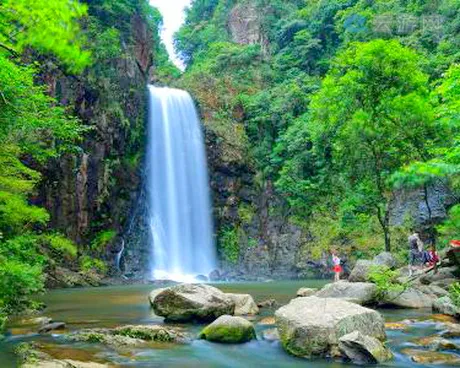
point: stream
(119, 305)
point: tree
(33, 128)
(371, 117)
(49, 26)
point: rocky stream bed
(116, 327)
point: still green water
(114, 306)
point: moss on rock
(229, 330)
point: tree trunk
(385, 224)
(386, 231)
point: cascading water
(178, 186)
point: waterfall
(178, 188)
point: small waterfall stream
(178, 186)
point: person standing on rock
(337, 268)
(415, 252)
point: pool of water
(119, 305)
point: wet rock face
(417, 206)
(101, 185)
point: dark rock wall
(98, 188)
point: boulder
(445, 305)
(267, 321)
(396, 326)
(269, 303)
(244, 304)
(363, 349)
(437, 343)
(66, 363)
(30, 357)
(450, 330)
(153, 295)
(363, 293)
(157, 333)
(302, 292)
(34, 321)
(385, 259)
(360, 272)
(443, 273)
(192, 302)
(270, 334)
(453, 254)
(229, 330)
(409, 298)
(432, 290)
(312, 326)
(431, 357)
(130, 335)
(444, 283)
(51, 327)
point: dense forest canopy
(339, 103)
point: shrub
(102, 239)
(229, 244)
(18, 281)
(61, 245)
(88, 264)
(454, 293)
(385, 280)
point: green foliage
(88, 264)
(246, 213)
(33, 129)
(61, 245)
(454, 293)
(450, 228)
(370, 118)
(385, 280)
(102, 239)
(49, 26)
(334, 111)
(18, 281)
(229, 247)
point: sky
(173, 17)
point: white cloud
(173, 17)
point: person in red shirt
(433, 257)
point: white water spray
(180, 209)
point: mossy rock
(150, 333)
(130, 335)
(229, 330)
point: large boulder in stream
(229, 330)
(360, 272)
(303, 292)
(363, 349)
(312, 326)
(244, 304)
(409, 298)
(192, 302)
(445, 305)
(363, 293)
